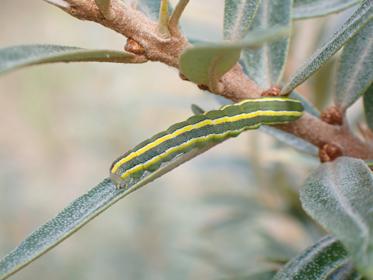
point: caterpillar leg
(118, 181)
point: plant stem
(163, 19)
(176, 15)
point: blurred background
(225, 214)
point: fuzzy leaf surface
(339, 195)
(76, 215)
(198, 62)
(325, 260)
(12, 58)
(355, 69)
(317, 8)
(238, 16)
(265, 65)
(351, 27)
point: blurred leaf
(263, 275)
(368, 106)
(339, 195)
(76, 215)
(20, 56)
(355, 71)
(152, 8)
(357, 21)
(276, 251)
(318, 262)
(345, 272)
(197, 63)
(291, 140)
(238, 16)
(265, 65)
(316, 8)
(308, 106)
(322, 83)
(232, 220)
(104, 6)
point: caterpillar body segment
(199, 131)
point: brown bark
(234, 85)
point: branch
(234, 85)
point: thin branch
(234, 85)
(176, 15)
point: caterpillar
(199, 131)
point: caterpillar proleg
(199, 131)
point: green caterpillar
(199, 131)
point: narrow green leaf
(291, 140)
(265, 65)
(355, 71)
(20, 56)
(318, 262)
(339, 195)
(345, 272)
(368, 106)
(238, 16)
(198, 62)
(76, 215)
(308, 106)
(104, 6)
(316, 8)
(357, 21)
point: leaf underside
(355, 71)
(12, 58)
(303, 9)
(339, 195)
(238, 16)
(357, 21)
(265, 65)
(325, 260)
(197, 62)
(76, 215)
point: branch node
(272, 91)
(329, 152)
(135, 47)
(332, 115)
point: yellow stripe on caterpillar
(201, 124)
